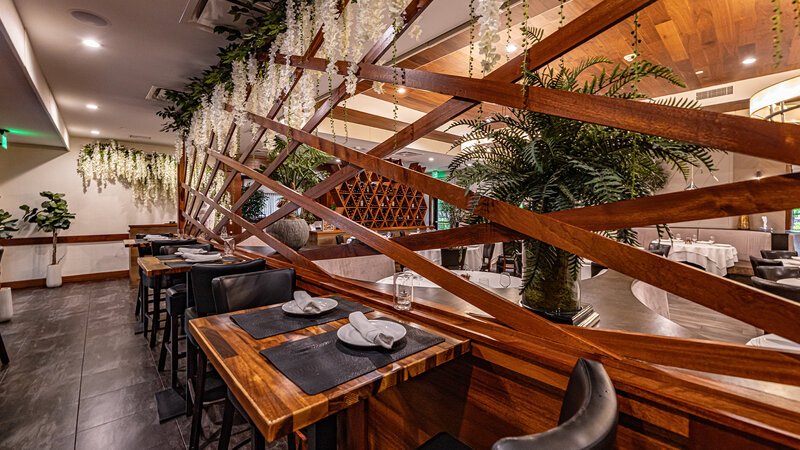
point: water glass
(677, 237)
(694, 238)
(505, 279)
(711, 239)
(229, 245)
(403, 290)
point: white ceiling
(144, 45)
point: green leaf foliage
(51, 216)
(7, 224)
(300, 169)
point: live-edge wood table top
(153, 266)
(275, 404)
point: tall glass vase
(552, 289)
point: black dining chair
(596, 269)
(339, 239)
(588, 418)
(775, 273)
(659, 249)
(200, 302)
(175, 305)
(3, 353)
(784, 290)
(146, 250)
(757, 262)
(777, 254)
(486, 259)
(453, 258)
(245, 291)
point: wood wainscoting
(39, 282)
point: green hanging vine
(524, 29)
(395, 101)
(636, 53)
(508, 29)
(777, 29)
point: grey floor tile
(118, 404)
(138, 431)
(110, 380)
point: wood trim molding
(40, 282)
(76, 239)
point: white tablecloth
(774, 341)
(486, 279)
(472, 259)
(790, 281)
(715, 258)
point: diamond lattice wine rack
(378, 202)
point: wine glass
(694, 238)
(678, 237)
(711, 239)
(505, 279)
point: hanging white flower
(239, 94)
(488, 12)
(377, 86)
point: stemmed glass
(505, 279)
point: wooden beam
(506, 312)
(201, 228)
(386, 123)
(766, 311)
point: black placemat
(178, 264)
(184, 263)
(167, 257)
(321, 362)
(264, 323)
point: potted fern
(7, 225)
(53, 216)
(545, 163)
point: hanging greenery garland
(153, 177)
(777, 29)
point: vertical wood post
(235, 190)
(181, 192)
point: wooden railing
(631, 357)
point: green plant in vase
(7, 226)
(545, 163)
(52, 217)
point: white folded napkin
(202, 257)
(305, 303)
(369, 331)
(188, 250)
(155, 237)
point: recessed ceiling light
(699, 72)
(430, 159)
(629, 57)
(337, 160)
(511, 48)
(91, 43)
(91, 106)
(401, 90)
(750, 60)
(95, 132)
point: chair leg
(197, 414)
(3, 353)
(138, 300)
(162, 354)
(173, 343)
(156, 321)
(145, 311)
(259, 443)
(191, 370)
(227, 425)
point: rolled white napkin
(305, 303)
(155, 237)
(369, 331)
(209, 257)
(188, 250)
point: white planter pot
(53, 275)
(6, 307)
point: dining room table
(269, 388)
(473, 256)
(486, 279)
(714, 257)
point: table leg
(156, 319)
(322, 434)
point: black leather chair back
(1, 252)
(171, 249)
(756, 262)
(596, 268)
(202, 274)
(775, 273)
(486, 259)
(339, 239)
(783, 290)
(251, 290)
(156, 245)
(777, 254)
(588, 417)
(148, 250)
(659, 249)
(453, 258)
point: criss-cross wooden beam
(215, 168)
(583, 28)
(758, 308)
(384, 43)
(201, 173)
(202, 228)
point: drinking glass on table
(694, 238)
(505, 279)
(403, 295)
(229, 245)
(711, 239)
(678, 237)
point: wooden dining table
(277, 406)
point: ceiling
(147, 46)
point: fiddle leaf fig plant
(53, 216)
(7, 224)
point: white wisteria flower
(488, 13)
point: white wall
(27, 170)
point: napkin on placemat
(306, 303)
(194, 257)
(155, 237)
(369, 331)
(187, 250)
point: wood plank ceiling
(712, 36)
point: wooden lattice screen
(571, 230)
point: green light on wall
(4, 141)
(22, 132)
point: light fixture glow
(750, 60)
(699, 72)
(95, 132)
(91, 43)
(430, 159)
(511, 48)
(91, 106)
(629, 57)
(401, 90)
(337, 161)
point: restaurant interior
(399, 224)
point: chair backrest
(775, 273)
(171, 249)
(339, 239)
(486, 259)
(596, 268)
(588, 419)
(777, 254)
(784, 290)
(1, 252)
(156, 245)
(202, 274)
(756, 262)
(453, 258)
(251, 290)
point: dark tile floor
(80, 378)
